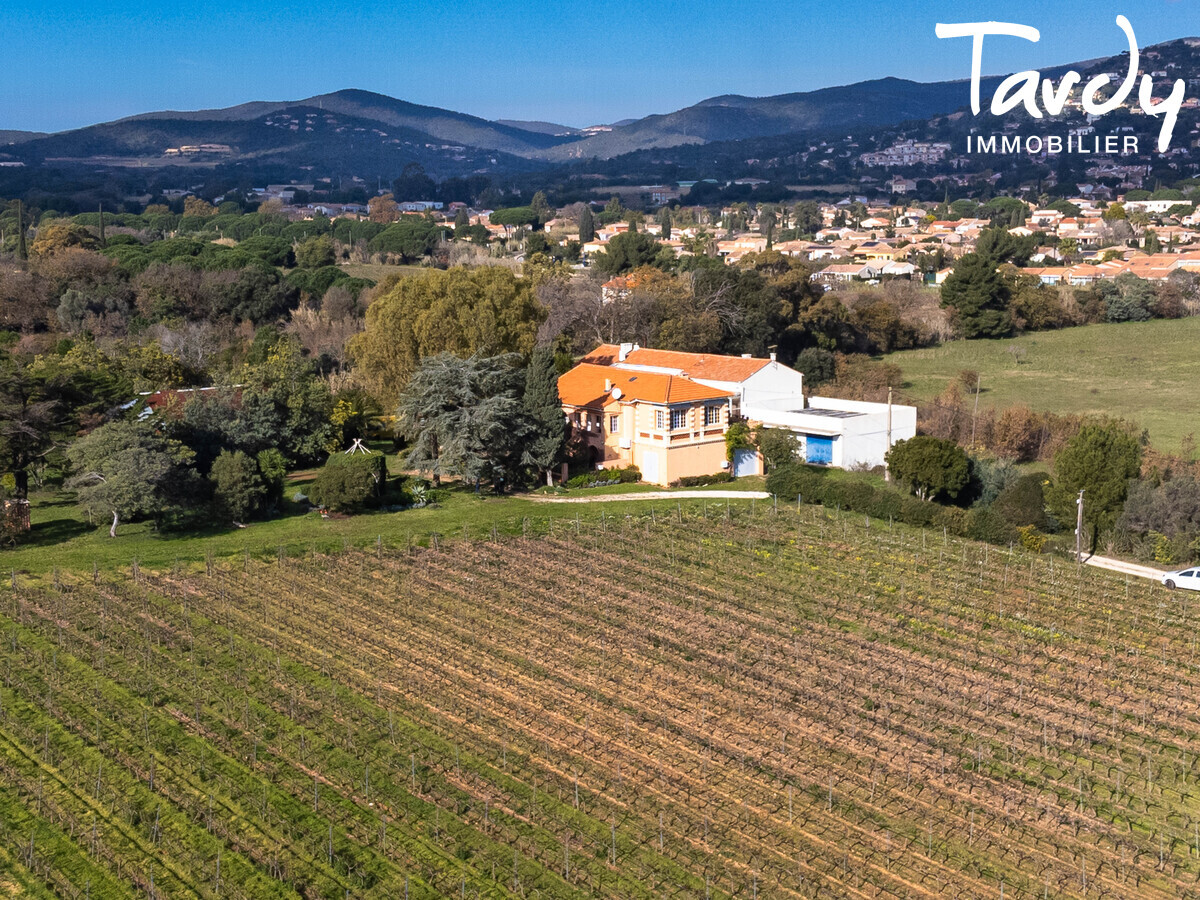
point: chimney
(772, 356)
(607, 385)
(746, 356)
(624, 351)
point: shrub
(349, 481)
(931, 466)
(778, 446)
(1022, 503)
(701, 480)
(1031, 539)
(987, 525)
(796, 480)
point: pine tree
(543, 406)
(979, 296)
(587, 225)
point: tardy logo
(1022, 87)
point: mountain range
(369, 134)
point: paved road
(657, 495)
(1125, 568)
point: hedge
(701, 480)
(605, 477)
(814, 486)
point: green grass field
(63, 538)
(1147, 372)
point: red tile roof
(694, 365)
(589, 385)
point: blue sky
(71, 64)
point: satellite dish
(616, 393)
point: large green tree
(931, 467)
(284, 405)
(465, 418)
(515, 217)
(128, 469)
(629, 250)
(979, 296)
(30, 420)
(485, 310)
(1100, 460)
(410, 239)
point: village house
(619, 288)
(879, 251)
(734, 250)
(843, 272)
(668, 426)
(666, 412)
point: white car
(1185, 578)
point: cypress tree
(587, 225)
(543, 406)
(102, 241)
(541, 206)
(666, 224)
(22, 249)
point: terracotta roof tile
(694, 365)
(585, 385)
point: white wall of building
(859, 439)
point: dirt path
(1126, 568)
(658, 495)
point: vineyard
(753, 703)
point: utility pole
(1079, 528)
(887, 470)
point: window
(678, 419)
(712, 415)
(614, 424)
(660, 419)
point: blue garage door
(819, 450)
